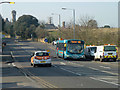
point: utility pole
(73, 20)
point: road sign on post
(46, 40)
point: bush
(51, 39)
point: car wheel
(114, 60)
(49, 65)
(34, 65)
(92, 58)
(101, 59)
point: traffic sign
(46, 40)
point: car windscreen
(109, 48)
(42, 54)
(93, 49)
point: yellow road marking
(43, 82)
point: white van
(106, 52)
(90, 52)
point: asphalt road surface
(63, 73)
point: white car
(54, 42)
(40, 58)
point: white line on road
(104, 81)
(13, 64)
(105, 67)
(93, 68)
(110, 73)
(76, 64)
(71, 71)
(104, 71)
(62, 63)
(8, 63)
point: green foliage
(50, 39)
(3, 23)
(41, 32)
(8, 28)
(25, 26)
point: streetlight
(73, 19)
(59, 21)
(8, 2)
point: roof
(50, 26)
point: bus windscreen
(75, 48)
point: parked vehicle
(40, 58)
(3, 44)
(54, 42)
(90, 52)
(105, 52)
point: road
(63, 73)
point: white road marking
(110, 73)
(104, 81)
(110, 78)
(93, 68)
(62, 63)
(104, 71)
(13, 64)
(8, 63)
(105, 67)
(28, 47)
(75, 64)
(71, 71)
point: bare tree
(41, 32)
(92, 23)
(84, 21)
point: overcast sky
(105, 12)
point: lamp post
(8, 2)
(59, 22)
(73, 20)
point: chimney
(63, 24)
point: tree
(25, 26)
(41, 32)
(92, 23)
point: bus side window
(64, 49)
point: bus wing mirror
(64, 45)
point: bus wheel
(86, 57)
(64, 57)
(58, 55)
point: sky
(104, 12)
